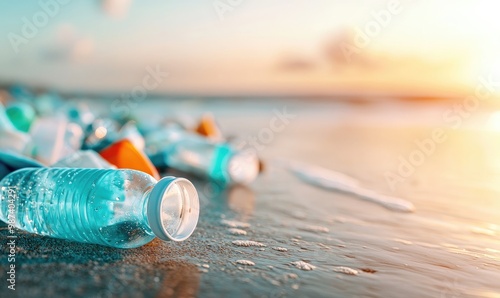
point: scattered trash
(203, 151)
(66, 161)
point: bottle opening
(173, 209)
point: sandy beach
(284, 237)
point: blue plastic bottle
(179, 149)
(118, 208)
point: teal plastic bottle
(21, 115)
(118, 208)
(174, 147)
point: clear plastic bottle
(87, 159)
(63, 140)
(179, 149)
(118, 208)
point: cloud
(296, 63)
(68, 45)
(342, 51)
(116, 8)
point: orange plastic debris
(124, 155)
(262, 165)
(208, 127)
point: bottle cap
(173, 209)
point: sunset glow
(419, 49)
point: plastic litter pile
(65, 134)
(47, 132)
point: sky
(251, 47)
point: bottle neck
(171, 208)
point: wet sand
(301, 240)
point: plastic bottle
(55, 138)
(84, 159)
(179, 149)
(129, 131)
(118, 208)
(11, 139)
(21, 115)
(100, 134)
(79, 113)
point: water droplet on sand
(315, 229)
(235, 224)
(238, 232)
(245, 262)
(303, 265)
(248, 243)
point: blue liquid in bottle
(179, 149)
(118, 208)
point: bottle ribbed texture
(87, 205)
